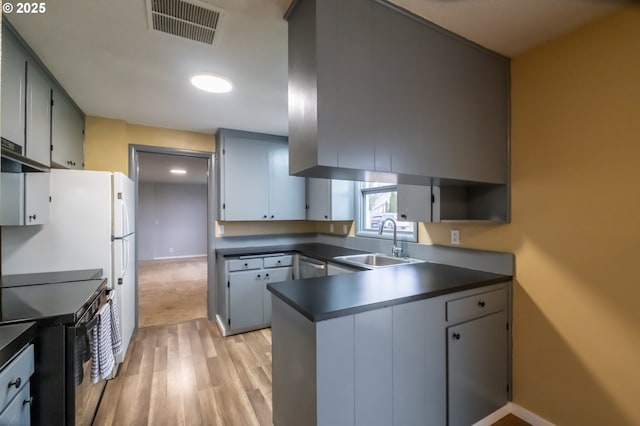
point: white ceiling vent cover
(185, 19)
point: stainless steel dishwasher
(311, 268)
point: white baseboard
(179, 257)
(516, 410)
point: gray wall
(172, 220)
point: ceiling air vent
(185, 19)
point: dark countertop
(324, 252)
(335, 296)
(58, 303)
(49, 277)
(13, 338)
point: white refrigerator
(91, 225)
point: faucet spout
(395, 249)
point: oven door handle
(83, 329)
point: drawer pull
(16, 383)
(27, 401)
(481, 303)
(456, 336)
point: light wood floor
(171, 291)
(187, 374)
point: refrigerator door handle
(125, 219)
(125, 259)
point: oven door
(83, 396)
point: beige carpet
(172, 291)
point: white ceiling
(113, 65)
(154, 168)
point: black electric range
(59, 308)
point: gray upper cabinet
(41, 125)
(38, 132)
(330, 199)
(14, 86)
(254, 180)
(25, 199)
(376, 93)
(455, 203)
(26, 102)
(67, 132)
(414, 203)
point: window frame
(387, 234)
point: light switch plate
(345, 229)
(331, 227)
(455, 236)
(221, 229)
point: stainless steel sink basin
(376, 260)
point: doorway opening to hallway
(173, 194)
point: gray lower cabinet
(245, 299)
(477, 368)
(15, 399)
(438, 361)
(244, 303)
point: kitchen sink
(376, 260)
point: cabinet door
(246, 299)
(38, 141)
(67, 132)
(318, 199)
(12, 199)
(341, 206)
(245, 186)
(13, 89)
(36, 198)
(414, 203)
(274, 275)
(477, 374)
(286, 193)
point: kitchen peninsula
(411, 344)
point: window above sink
(375, 202)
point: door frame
(212, 194)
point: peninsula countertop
(329, 297)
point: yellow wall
(107, 142)
(575, 225)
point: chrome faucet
(395, 250)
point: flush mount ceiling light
(178, 171)
(211, 83)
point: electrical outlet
(455, 236)
(221, 229)
(170, 249)
(345, 230)
(331, 227)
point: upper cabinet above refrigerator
(41, 125)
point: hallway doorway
(173, 203)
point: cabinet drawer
(476, 305)
(15, 375)
(244, 264)
(278, 261)
(18, 412)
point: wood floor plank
(260, 407)
(188, 374)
